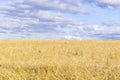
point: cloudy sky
(60, 19)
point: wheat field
(59, 60)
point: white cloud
(110, 2)
(11, 22)
(47, 19)
(63, 6)
(106, 3)
(69, 37)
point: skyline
(60, 19)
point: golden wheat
(59, 60)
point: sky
(59, 19)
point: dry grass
(59, 60)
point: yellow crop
(59, 60)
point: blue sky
(60, 19)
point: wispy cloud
(106, 3)
(55, 19)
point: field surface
(59, 60)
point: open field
(59, 60)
